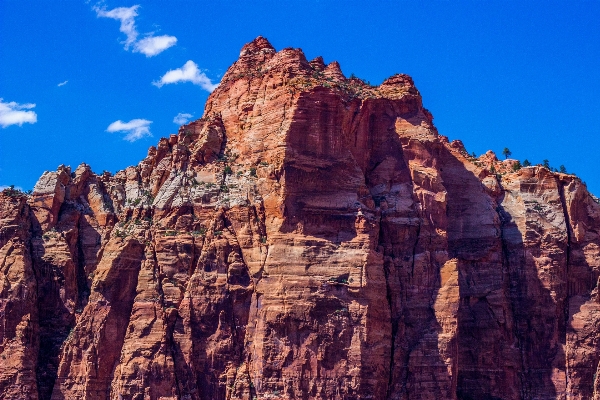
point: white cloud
(182, 118)
(188, 73)
(153, 45)
(63, 83)
(127, 17)
(135, 129)
(12, 114)
(149, 45)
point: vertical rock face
(310, 237)
(19, 326)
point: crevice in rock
(35, 230)
(414, 249)
(393, 321)
(83, 290)
(119, 290)
(55, 321)
(262, 230)
(169, 322)
(504, 217)
(171, 344)
(563, 326)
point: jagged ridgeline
(310, 237)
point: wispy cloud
(188, 73)
(150, 45)
(127, 17)
(153, 45)
(134, 129)
(13, 114)
(63, 83)
(182, 118)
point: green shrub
(546, 164)
(12, 192)
(200, 232)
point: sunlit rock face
(310, 237)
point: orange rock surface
(310, 237)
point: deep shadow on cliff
(310, 237)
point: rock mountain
(310, 237)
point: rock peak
(318, 64)
(334, 70)
(258, 45)
(400, 80)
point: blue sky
(495, 74)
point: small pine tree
(526, 163)
(546, 164)
(507, 153)
(516, 166)
(562, 169)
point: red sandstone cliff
(311, 237)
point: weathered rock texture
(311, 237)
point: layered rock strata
(310, 237)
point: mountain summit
(312, 236)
